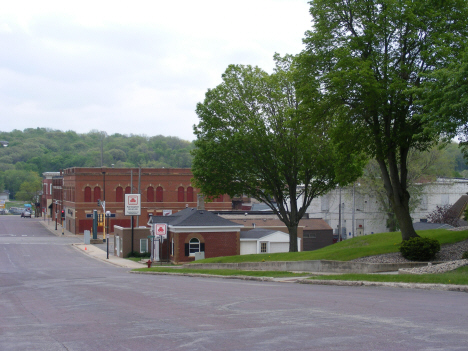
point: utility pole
(354, 205)
(339, 219)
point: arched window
(220, 198)
(194, 246)
(87, 194)
(127, 190)
(119, 194)
(180, 194)
(159, 194)
(150, 194)
(189, 194)
(97, 193)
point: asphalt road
(53, 297)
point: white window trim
(190, 246)
(145, 241)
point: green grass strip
(458, 277)
(225, 272)
(350, 249)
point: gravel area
(435, 268)
(449, 258)
(450, 252)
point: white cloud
(135, 67)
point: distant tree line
(32, 152)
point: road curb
(201, 275)
(444, 287)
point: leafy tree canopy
(373, 61)
(255, 138)
(29, 190)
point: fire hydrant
(149, 263)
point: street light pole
(104, 204)
(354, 205)
(108, 213)
(339, 219)
(56, 203)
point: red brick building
(47, 193)
(161, 189)
(192, 231)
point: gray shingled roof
(256, 233)
(191, 217)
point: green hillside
(45, 150)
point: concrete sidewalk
(97, 251)
(101, 255)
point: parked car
(15, 210)
(26, 214)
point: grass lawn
(225, 272)
(349, 249)
(458, 276)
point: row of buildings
(71, 196)
(76, 191)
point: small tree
(444, 214)
(29, 190)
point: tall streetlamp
(339, 218)
(354, 205)
(4, 144)
(104, 205)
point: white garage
(261, 240)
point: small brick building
(123, 240)
(192, 231)
(163, 190)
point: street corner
(86, 248)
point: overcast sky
(132, 67)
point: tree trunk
(395, 186)
(293, 239)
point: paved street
(54, 297)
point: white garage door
(279, 247)
(248, 247)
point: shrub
(444, 214)
(138, 254)
(420, 249)
(465, 255)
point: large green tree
(13, 179)
(254, 138)
(29, 190)
(372, 59)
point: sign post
(160, 231)
(151, 237)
